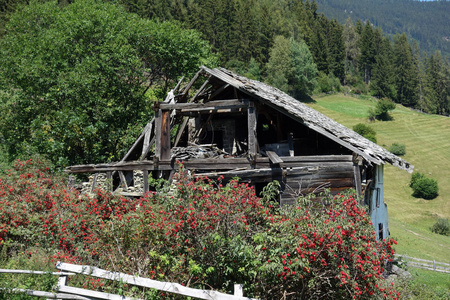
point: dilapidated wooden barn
(234, 126)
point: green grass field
(427, 140)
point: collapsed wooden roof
(311, 118)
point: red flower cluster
(198, 232)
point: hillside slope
(427, 140)
(426, 22)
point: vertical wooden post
(109, 181)
(291, 144)
(158, 121)
(165, 135)
(162, 141)
(145, 181)
(252, 141)
(239, 290)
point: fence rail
(431, 265)
(67, 292)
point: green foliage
(366, 131)
(398, 149)
(74, 77)
(291, 67)
(382, 109)
(203, 233)
(327, 83)
(424, 187)
(442, 226)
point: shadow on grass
(306, 99)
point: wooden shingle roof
(311, 118)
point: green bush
(414, 177)
(328, 83)
(424, 187)
(366, 131)
(398, 149)
(442, 226)
(381, 111)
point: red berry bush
(199, 232)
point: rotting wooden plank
(252, 141)
(200, 90)
(357, 179)
(145, 175)
(232, 103)
(186, 89)
(217, 163)
(146, 142)
(165, 136)
(147, 149)
(139, 140)
(158, 129)
(94, 182)
(274, 158)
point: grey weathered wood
(145, 174)
(252, 141)
(94, 182)
(186, 89)
(357, 179)
(146, 142)
(211, 105)
(339, 162)
(311, 118)
(158, 125)
(274, 158)
(146, 282)
(139, 140)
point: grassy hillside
(427, 140)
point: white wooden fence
(425, 264)
(67, 292)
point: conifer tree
(367, 46)
(352, 51)
(406, 72)
(381, 84)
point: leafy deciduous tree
(73, 77)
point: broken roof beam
(211, 105)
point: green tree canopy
(74, 77)
(291, 67)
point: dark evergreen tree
(367, 47)
(437, 84)
(336, 50)
(352, 51)
(381, 84)
(406, 72)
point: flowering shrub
(198, 232)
